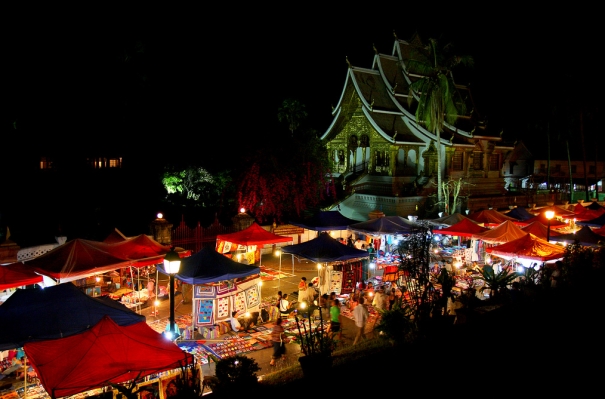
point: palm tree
(292, 112)
(435, 91)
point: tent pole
(25, 376)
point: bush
(235, 376)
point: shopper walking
(277, 338)
(361, 315)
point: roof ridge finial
(375, 49)
(395, 34)
(348, 62)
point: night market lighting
(549, 215)
(172, 264)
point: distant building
(526, 173)
(385, 160)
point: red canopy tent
(76, 259)
(589, 214)
(542, 219)
(528, 247)
(254, 235)
(106, 354)
(142, 250)
(17, 275)
(490, 217)
(115, 236)
(464, 228)
(505, 232)
(540, 230)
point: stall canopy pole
(25, 376)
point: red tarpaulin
(253, 235)
(542, 219)
(106, 354)
(490, 217)
(505, 232)
(17, 275)
(76, 259)
(464, 228)
(540, 230)
(142, 251)
(528, 247)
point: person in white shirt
(284, 305)
(361, 315)
(235, 324)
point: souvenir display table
(387, 260)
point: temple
(385, 160)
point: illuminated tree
(281, 183)
(194, 185)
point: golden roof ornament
(375, 49)
(348, 62)
(395, 35)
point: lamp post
(319, 277)
(549, 215)
(278, 253)
(172, 263)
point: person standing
(284, 305)
(302, 289)
(335, 318)
(555, 276)
(361, 315)
(277, 338)
(380, 300)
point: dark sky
(206, 81)
(205, 84)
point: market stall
(55, 312)
(585, 237)
(220, 286)
(528, 249)
(17, 275)
(466, 249)
(248, 243)
(340, 265)
(539, 230)
(103, 355)
(490, 217)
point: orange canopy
(528, 247)
(505, 232)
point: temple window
(458, 161)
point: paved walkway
(295, 270)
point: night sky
(205, 84)
(199, 81)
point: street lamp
(172, 263)
(549, 215)
(319, 277)
(278, 253)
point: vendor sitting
(243, 323)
